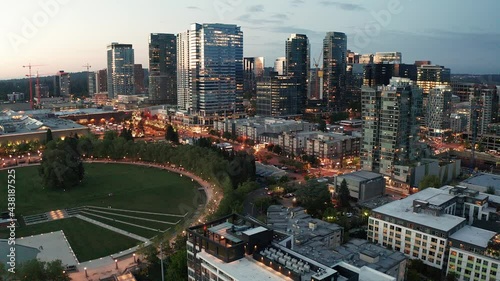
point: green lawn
(87, 240)
(129, 228)
(132, 187)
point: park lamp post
(86, 274)
(116, 264)
(134, 258)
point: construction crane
(29, 66)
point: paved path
(124, 222)
(112, 228)
(138, 212)
(132, 217)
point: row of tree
(35, 270)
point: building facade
(335, 67)
(390, 117)
(62, 84)
(101, 81)
(431, 76)
(210, 70)
(438, 111)
(253, 71)
(120, 70)
(388, 57)
(163, 68)
(362, 185)
(298, 65)
(278, 96)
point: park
(115, 208)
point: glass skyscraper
(120, 70)
(210, 69)
(334, 67)
(298, 65)
(163, 68)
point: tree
(35, 270)
(171, 134)
(277, 149)
(315, 198)
(126, 134)
(61, 165)
(429, 181)
(322, 125)
(49, 136)
(177, 267)
(344, 195)
(490, 190)
(227, 135)
(452, 276)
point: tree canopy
(429, 181)
(36, 270)
(344, 195)
(171, 134)
(314, 197)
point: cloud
(296, 3)
(294, 30)
(255, 9)
(249, 19)
(280, 16)
(193, 8)
(343, 6)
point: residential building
(388, 58)
(335, 67)
(463, 90)
(120, 70)
(362, 185)
(163, 68)
(483, 109)
(330, 148)
(391, 116)
(298, 65)
(278, 96)
(62, 84)
(210, 70)
(431, 76)
(438, 111)
(316, 84)
(380, 74)
(458, 122)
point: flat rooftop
(474, 236)
(403, 209)
(483, 180)
(361, 176)
(244, 269)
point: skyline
(63, 35)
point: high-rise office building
(210, 70)
(431, 76)
(335, 67)
(278, 96)
(163, 68)
(390, 117)
(298, 65)
(483, 109)
(438, 111)
(316, 84)
(253, 69)
(380, 74)
(280, 65)
(120, 70)
(62, 84)
(101, 81)
(388, 57)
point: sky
(463, 35)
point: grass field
(87, 240)
(132, 187)
(118, 186)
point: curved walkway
(107, 266)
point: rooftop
(361, 176)
(484, 180)
(244, 269)
(403, 209)
(474, 236)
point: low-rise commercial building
(362, 185)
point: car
(288, 195)
(71, 268)
(270, 193)
(348, 215)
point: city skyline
(64, 35)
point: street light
(134, 257)
(116, 264)
(86, 275)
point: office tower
(253, 69)
(298, 65)
(463, 90)
(352, 57)
(120, 70)
(388, 57)
(380, 74)
(42, 90)
(278, 95)
(366, 59)
(163, 68)
(139, 79)
(62, 84)
(438, 111)
(390, 117)
(431, 76)
(101, 81)
(91, 83)
(419, 63)
(280, 65)
(334, 67)
(483, 109)
(210, 70)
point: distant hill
(480, 79)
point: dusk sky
(462, 35)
